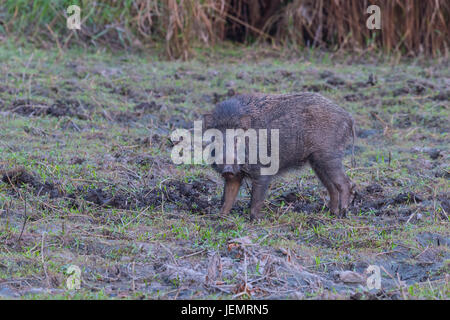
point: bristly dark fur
(311, 128)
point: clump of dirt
(373, 198)
(317, 87)
(417, 87)
(122, 90)
(149, 112)
(332, 79)
(18, 177)
(366, 133)
(335, 81)
(407, 197)
(353, 97)
(217, 97)
(122, 116)
(407, 119)
(159, 138)
(374, 188)
(106, 199)
(191, 196)
(147, 107)
(77, 160)
(103, 198)
(260, 79)
(128, 92)
(7, 89)
(308, 207)
(180, 74)
(300, 201)
(434, 153)
(286, 74)
(165, 91)
(29, 107)
(427, 238)
(61, 108)
(70, 108)
(326, 74)
(175, 122)
(442, 96)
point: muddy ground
(86, 179)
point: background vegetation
(408, 27)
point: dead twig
(24, 220)
(44, 265)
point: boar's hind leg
(332, 175)
(259, 188)
(321, 172)
(230, 192)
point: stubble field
(86, 179)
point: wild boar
(310, 129)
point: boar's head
(226, 118)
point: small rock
(349, 277)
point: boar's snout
(229, 171)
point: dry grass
(409, 27)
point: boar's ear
(246, 122)
(208, 120)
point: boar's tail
(353, 143)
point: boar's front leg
(230, 192)
(259, 188)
